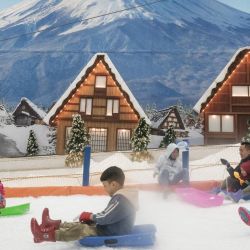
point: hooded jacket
(119, 216)
(165, 163)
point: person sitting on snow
(169, 168)
(238, 182)
(2, 194)
(116, 219)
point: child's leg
(75, 232)
(244, 215)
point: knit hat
(245, 166)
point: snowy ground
(179, 225)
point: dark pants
(164, 177)
(231, 184)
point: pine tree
(140, 138)
(169, 137)
(246, 138)
(32, 146)
(52, 140)
(78, 139)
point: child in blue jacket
(116, 219)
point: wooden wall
(223, 103)
(127, 118)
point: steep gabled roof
(75, 84)
(221, 78)
(41, 113)
(161, 115)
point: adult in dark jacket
(116, 219)
(239, 177)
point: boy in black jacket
(116, 219)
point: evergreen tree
(78, 139)
(140, 138)
(52, 140)
(246, 138)
(169, 137)
(32, 146)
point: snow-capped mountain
(165, 51)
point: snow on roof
(39, 111)
(219, 78)
(159, 117)
(72, 86)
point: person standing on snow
(169, 168)
(2, 194)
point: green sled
(15, 210)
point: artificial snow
(179, 224)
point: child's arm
(117, 209)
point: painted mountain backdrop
(165, 51)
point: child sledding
(116, 219)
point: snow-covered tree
(78, 139)
(246, 138)
(140, 138)
(150, 111)
(52, 140)
(169, 137)
(32, 145)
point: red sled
(198, 197)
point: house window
(221, 123)
(123, 139)
(100, 81)
(86, 105)
(227, 123)
(112, 107)
(98, 139)
(240, 91)
(214, 123)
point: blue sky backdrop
(243, 5)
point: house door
(98, 139)
(242, 125)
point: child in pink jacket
(2, 194)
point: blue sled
(141, 235)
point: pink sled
(198, 197)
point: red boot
(47, 222)
(40, 235)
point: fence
(204, 164)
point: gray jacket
(119, 216)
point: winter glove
(85, 217)
(237, 176)
(225, 162)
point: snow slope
(179, 225)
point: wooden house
(161, 120)
(106, 104)
(225, 105)
(27, 113)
